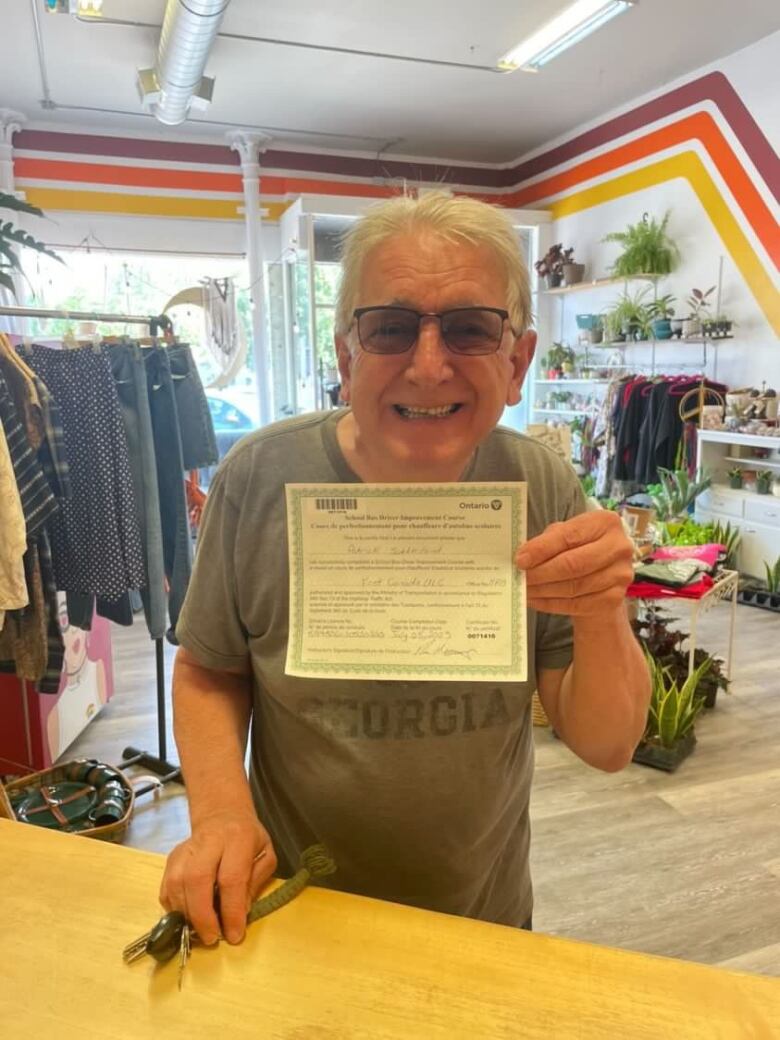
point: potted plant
(764, 481)
(669, 736)
(613, 326)
(550, 267)
(561, 397)
(675, 494)
(647, 249)
(735, 478)
(573, 272)
(661, 312)
(773, 583)
(698, 301)
(559, 360)
(630, 313)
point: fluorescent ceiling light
(573, 24)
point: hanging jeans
(199, 443)
(174, 516)
(129, 371)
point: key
(185, 949)
(161, 942)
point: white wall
(754, 355)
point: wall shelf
(565, 411)
(601, 283)
(563, 382)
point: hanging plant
(647, 249)
(10, 237)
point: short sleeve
(209, 625)
(554, 636)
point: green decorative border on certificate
(295, 497)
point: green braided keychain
(169, 936)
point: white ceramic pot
(776, 489)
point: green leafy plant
(10, 237)
(558, 355)
(735, 471)
(674, 706)
(629, 314)
(647, 249)
(676, 492)
(664, 644)
(773, 576)
(725, 534)
(588, 483)
(662, 308)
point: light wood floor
(686, 865)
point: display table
(328, 966)
(725, 588)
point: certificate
(407, 581)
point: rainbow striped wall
(685, 133)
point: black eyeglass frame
(360, 311)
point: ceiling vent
(176, 84)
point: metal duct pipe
(177, 80)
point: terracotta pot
(573, 273)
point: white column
(250, 145)
(10, 123)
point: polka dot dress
(95, 541)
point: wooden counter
(326, 967)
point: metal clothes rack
(157, 764)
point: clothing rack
(157, 324)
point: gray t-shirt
(419, 789)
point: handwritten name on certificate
(407, 581)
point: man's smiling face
(418, 416)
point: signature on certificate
(442, 648)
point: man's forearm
(212, 710)
(603, 703)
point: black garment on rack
(198, 440)
(96, 544)
(176, 533)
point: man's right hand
(231, 849)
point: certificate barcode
(336, 503)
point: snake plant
(773, 577)
(673, 706)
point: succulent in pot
(735, 478)
(764, 481)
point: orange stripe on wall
(699, 126)
(130, 176)
(185, 180)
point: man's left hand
(579, 567)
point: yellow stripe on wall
(49, 199)
(689, 166)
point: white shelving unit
(657, 363)
(756, 516)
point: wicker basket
(114, 831)
(538, 713)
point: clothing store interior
(248, 758)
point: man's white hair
(456, 219)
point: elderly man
(433, 342)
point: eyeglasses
(466, 330)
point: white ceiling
(323, 99)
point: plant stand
(725, 588)
(667, 759)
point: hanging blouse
(13, 589)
